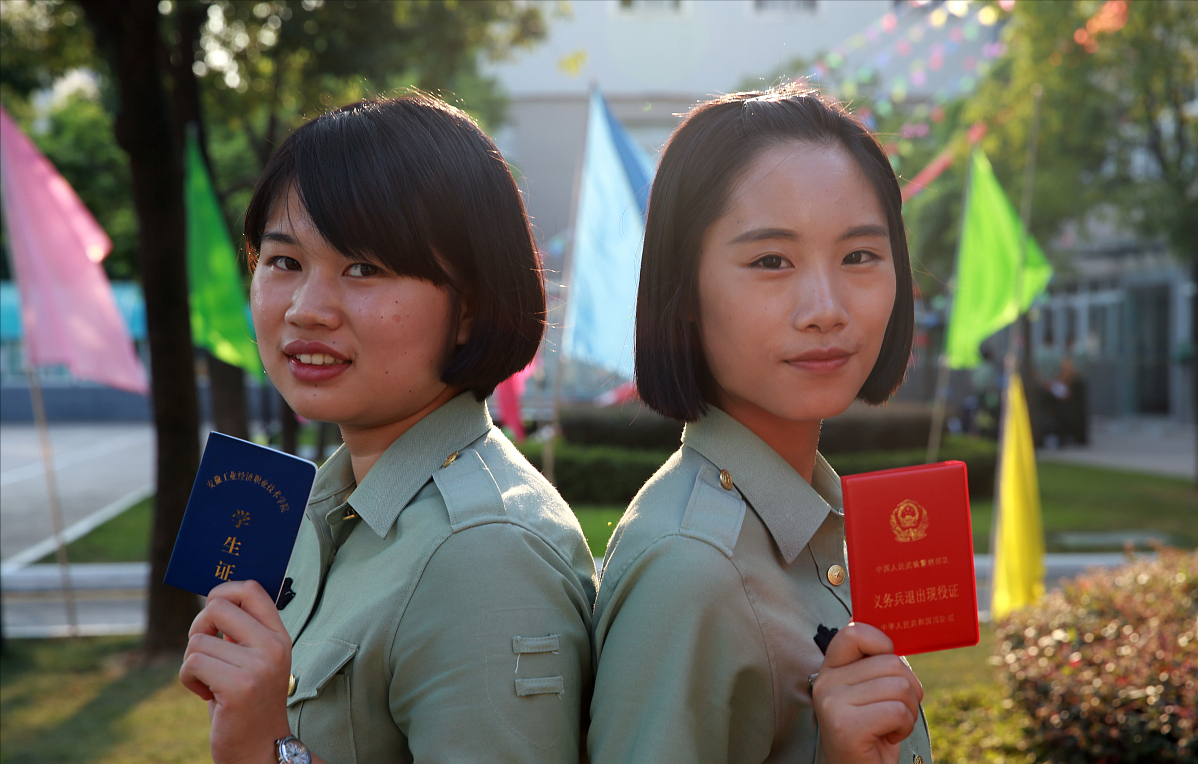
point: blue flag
(608, 232)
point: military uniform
(442, 607)
(714, 587)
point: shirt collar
(791, 508)
(405, 466)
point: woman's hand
(243, 675)
(866, 698)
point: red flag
(68, 312)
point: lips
(821, 360)
(314, 361)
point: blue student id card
(242, 518)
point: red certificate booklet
(911, 555)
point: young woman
(442, 589)
(775, 288)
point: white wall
(697, 47)
(652, 61)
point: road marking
(71, 458)
(78, 530)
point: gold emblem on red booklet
(909, 521)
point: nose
(315, 303)
(820, 303)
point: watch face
(292, 751)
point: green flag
(988, 267)
(218, 311)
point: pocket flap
(322, 660)
(525, 645)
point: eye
(282, 262)
(770, 262)
(363, 270)
(859, 257)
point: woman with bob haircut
(775, 289)
(439, 594)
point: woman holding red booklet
(440, 589)
(775, 289)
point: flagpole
(60, 549)
(1015, 337)
(940, 401)
(555, 403)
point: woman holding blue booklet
(775, 289)
(442, 588)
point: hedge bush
(1107, 666)
(597, 474)
(898, 426)
(979, 454)
(895, 426)
(629, 425)
(589, 474)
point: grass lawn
(80, 700)
(124, 538)
(966, 667)
(598, 522)
(1073, 498)
(1078, 498)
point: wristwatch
(292, 751)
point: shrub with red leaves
(1108, 665)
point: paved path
(1143, 444)
(110, 599)
(103, 465)
(96, 466)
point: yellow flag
(1019, 541)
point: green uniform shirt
(713, 589)
(449, 620)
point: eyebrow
(280, 237)
(786, 234)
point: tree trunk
(289, 428)
(226, 391)
(128, 34)
(226, 383)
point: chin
(809, 408)
(312, 407)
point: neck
(367, 443)
(795, 441)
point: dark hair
(702, 161)
(414, 185)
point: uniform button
(917, 759)
(291, 685)
(726, 480)
(449, 459)
(350, 514)
(836, 575)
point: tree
(1119, 129)
(247, 73)
(128, 34)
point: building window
(807, 6)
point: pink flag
(67, 308)
(508, 394)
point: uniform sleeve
(492, 659)
(683, 674)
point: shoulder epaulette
(715, 512)
(469, 490)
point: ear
(466, 307)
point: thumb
(854, 642)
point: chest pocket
(319, 710)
